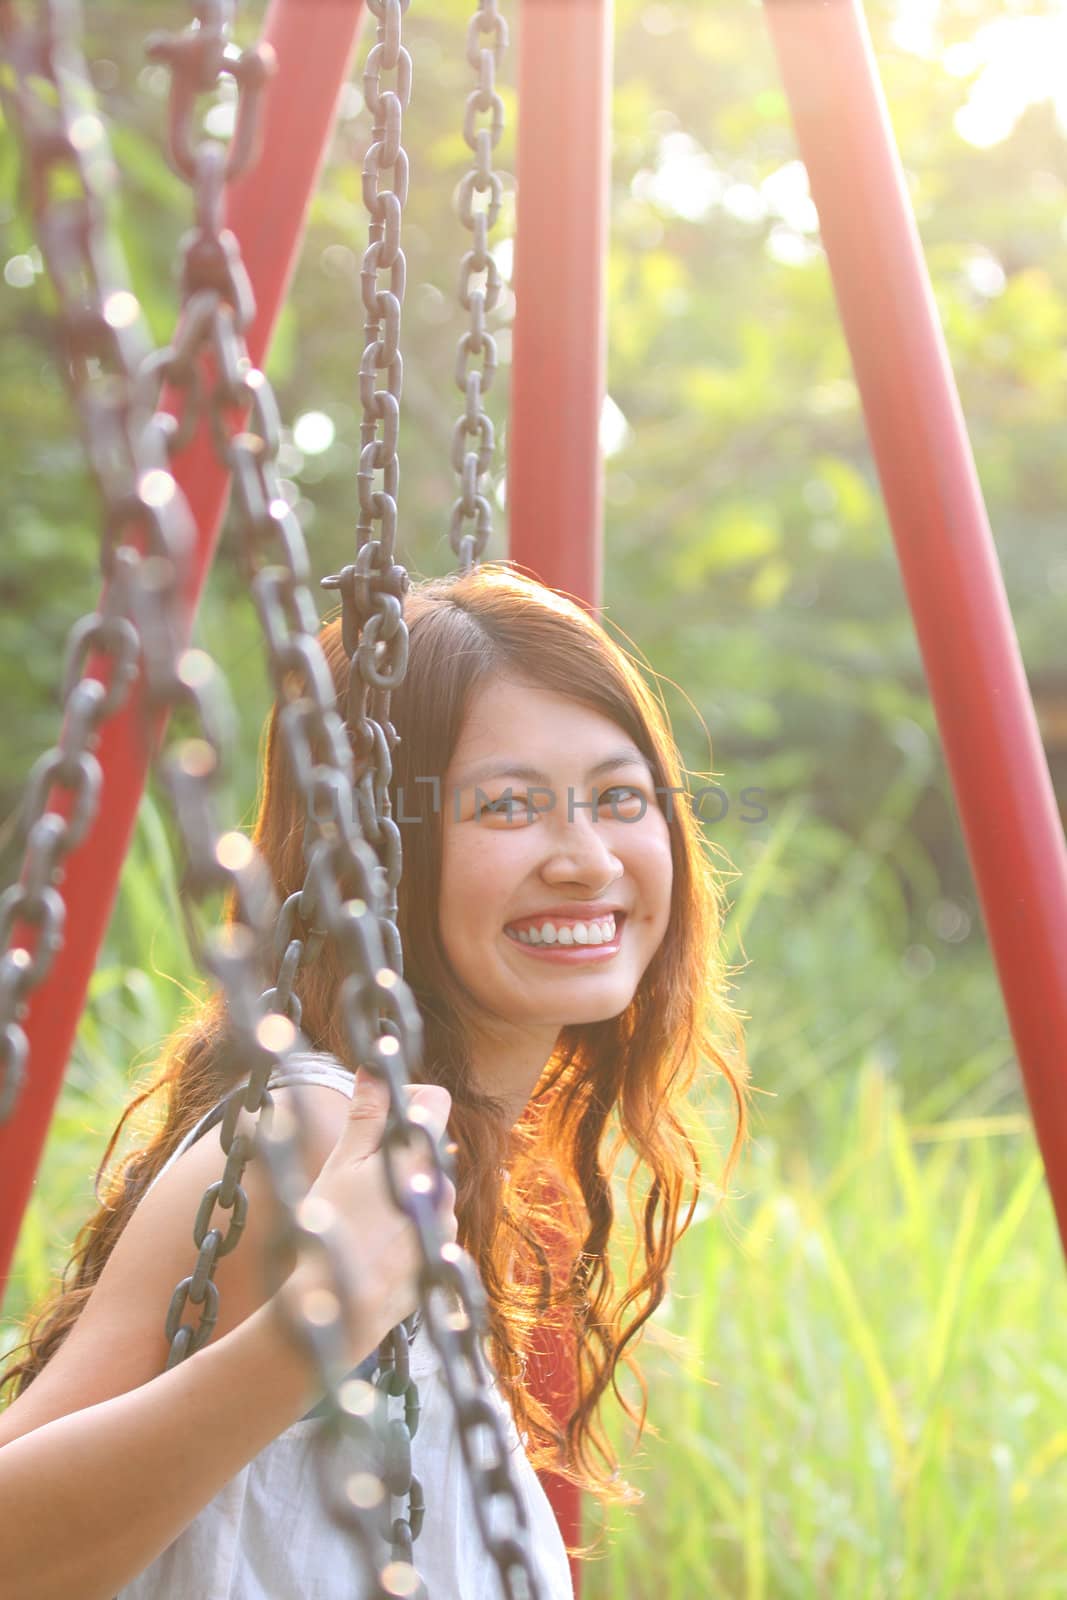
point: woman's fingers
(379, 1239)
(430, 1105)
(366, 1117)
(447, 1211)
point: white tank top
(267, 1534)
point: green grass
(130, 1010)
(858, 1379)
(869, 1396)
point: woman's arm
(91, 1499)
(105, 1458)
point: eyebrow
(507, 768)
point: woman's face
(554, 902)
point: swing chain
(374, 637)
(381, 1021)
(473, 505)
(199, 59)
(68, 173)
(218, 307)
(372, 588)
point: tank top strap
(303, 1066)
(311, 1067)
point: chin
(594, 1011)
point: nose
(580, 853)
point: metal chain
(276, 567)
(187, 686)
(473, 382)
(381, 1021)
(262, 1024)
(67, 165)
(373, 587)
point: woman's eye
(509, 806)
(626, 796)
(624, 800)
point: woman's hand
(378, 1243)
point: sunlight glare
(615, 431)
(1018, 62)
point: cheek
(457, 897)
(478, 874)
(652, 845)
(655, 865)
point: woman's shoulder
(310, 1068)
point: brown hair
(542, 1246)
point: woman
(560, 922)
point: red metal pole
(946, 551)
(266, 211)
(559, 357)
(559, 342)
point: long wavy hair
(535, 1202)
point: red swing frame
(918, 439)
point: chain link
(471, 464)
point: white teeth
(601, 931)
